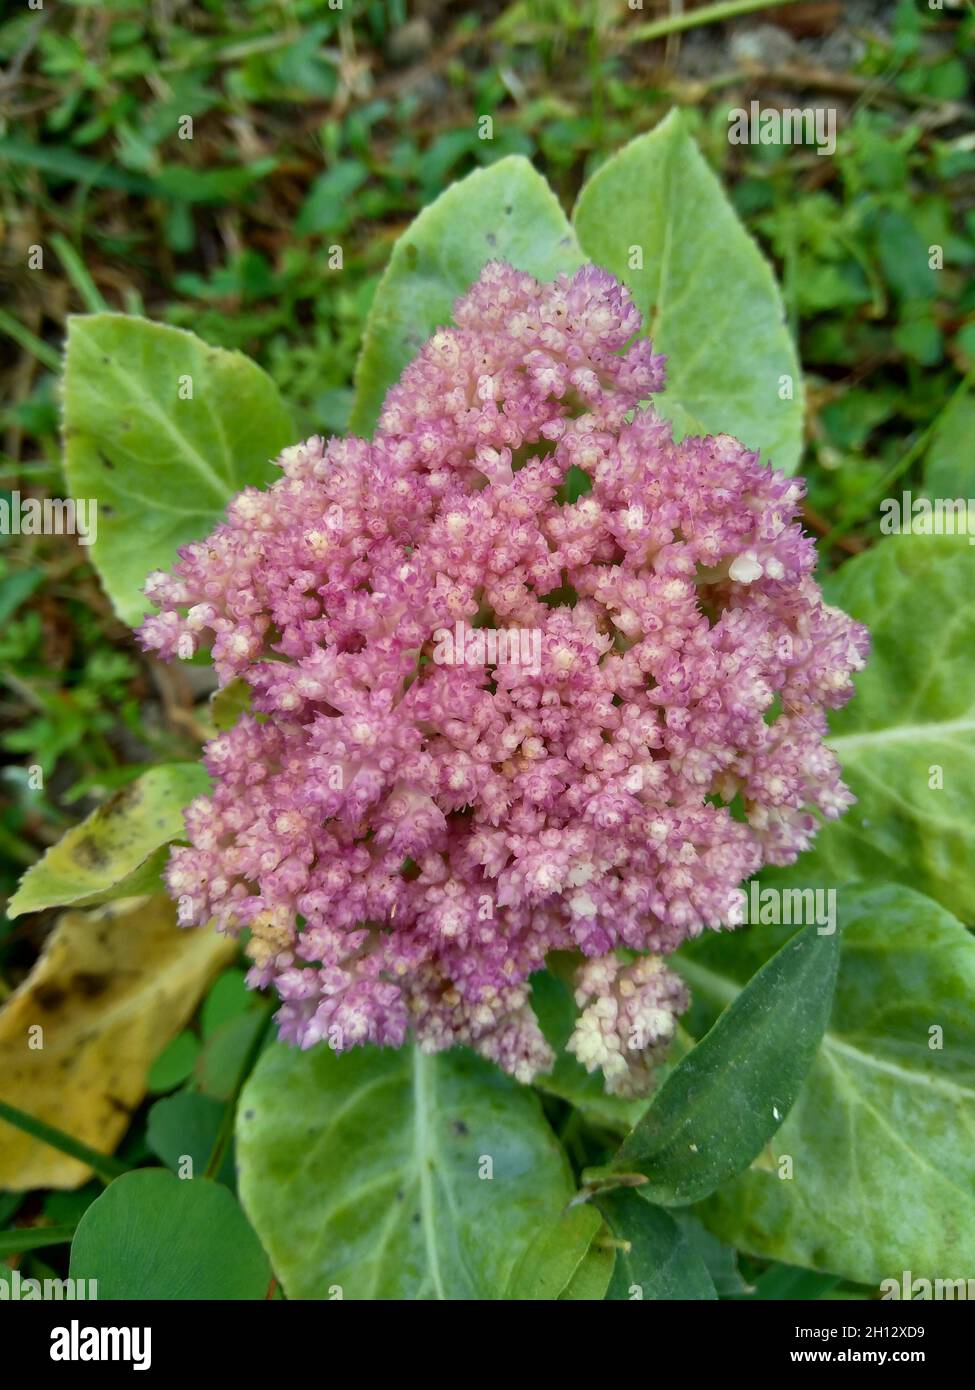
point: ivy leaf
(880, 1137)
(151, 1235)
(708, 296)
(392, 1174)
(113, 852)
(722, 1102)
(906, 741)
(160, 464)
(504, 212)
(655, 1260)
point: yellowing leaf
(117, 851)
(110, 990)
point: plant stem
(47, 355)
(712, 14)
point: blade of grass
(75, 168)
(23, 1238)
(44, 352)
(104, 1165)
(711, 14)
(78, 273)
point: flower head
(415, 815)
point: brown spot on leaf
(90, 985)
(49, 997)
(89, 853)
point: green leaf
(112, 853)
(723, 1102)
(151, 1235)
(66, 1208)
(787, 1282)
(655, 1260)
(328, 205)
(228, 999)
(552, 1260)
(366, 1172)
(225, 1051)
(913, 713)
(720, 1260)
(161, 468)
(949, 469)
(175, 1063)
(186, 1126)
(707, 293)
(880, 1136)
(504, 212)
(591, 1279)
(228, 703)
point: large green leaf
(656, 1258)
(151, 1235)
(504, 212)
(708, 295)
(160, 467)
(882, 1135)
(115, 852)
(367, 1173)
(913, 714)
(725, 1099)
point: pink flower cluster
(406, 839)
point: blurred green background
(316, 126)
